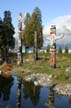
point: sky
(50, 9)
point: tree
(27, 18)
(37, 26)
(34, 24)
(7, 41)
(66, 50)
(26, 31)
(9, 30)
(37, 29)
(60, 50)
(2, 39)
(1, 33)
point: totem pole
(20, 54)
(35, 46)
(52, 38)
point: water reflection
(29, 96)
(5, 87)
(69, 99)
(32, 92)
(50, 102)
(19, 89)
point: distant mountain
(63, 25)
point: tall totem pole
(20, 54)
(35, 46)
(52, 38)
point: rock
(36, 83)
(68, 69)
(39, 79)
(6, 69)
(63, 89)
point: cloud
(63, 25)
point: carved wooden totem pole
(52, 38)
(20, 55)
(35, 46)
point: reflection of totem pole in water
(31, 91)
(52, 38)
(20, 55)
(51, 99)
(19, 93)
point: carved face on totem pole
(20, 22)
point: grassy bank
(62, 72)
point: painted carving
(52, 38)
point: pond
(15, 93)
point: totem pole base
(53, 66)
(18, 62)
(53, 59)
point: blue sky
(50, 9)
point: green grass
(43, 66)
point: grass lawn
(59, 74)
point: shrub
(60, 50)
(66, 50)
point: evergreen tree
(60, 50)
(1, 34)
(26, 31)
(66, 50)
(34, 24)
(2, 39)
(27, 19)
(37, 28)
(7, 41)
(9, 30)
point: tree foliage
(26, 19)
(9, 29)
(7, 41)
(66, 50)
(34, 24)
(2, 39)
(60, 50)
